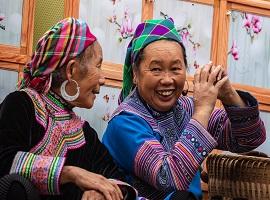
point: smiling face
(89, 76)
(161, 74)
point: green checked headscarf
(146, 32)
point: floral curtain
(194, 24)
(113, 22)
(10, 22)
(249, 49)
(249, 56)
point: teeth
(165, 93)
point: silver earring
(65, 95)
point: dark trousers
(182, 195)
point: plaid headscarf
(145, 33)
(64, 41)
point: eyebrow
(159, 61)
(155, 61)
(178, 61)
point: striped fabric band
(43, 171)
(174, 168)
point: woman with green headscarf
(160, 137)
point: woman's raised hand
(207, 82)
(90, 181)
(227, 94)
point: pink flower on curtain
(252, 23)
(187, 40)
(257, 24)
(234, 51)
(247, 21)
(126, 26)
(185, 35)
(2, 17)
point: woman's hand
(92, 195)
(207, 83)
(90, 181)
(227, 94)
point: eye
(176, 69)
(155, 69)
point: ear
(71, 69)
(135, 75)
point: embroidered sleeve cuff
(243, 115)
(43, 171)
(199, 138)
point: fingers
(90, 181)
(221, 82)
(110, 190)
(206, 70)
(215, 74)
(118, 191)
(197, 75)
(209, 74)
(220, 74)
(107, 190)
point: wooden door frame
(21, 54)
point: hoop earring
(65, 95)
(185, 92)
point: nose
(166, 78)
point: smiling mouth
(165, 93)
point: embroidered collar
(168, 125)
(63, 128)
(58, 100)
(156, 114)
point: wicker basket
(238, 177)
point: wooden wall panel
(72, 8)
(206, 2)
(265, 4)
(250, 9)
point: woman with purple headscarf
(42, 139)
(160, 137)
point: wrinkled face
(161, 75)
(90, 78)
